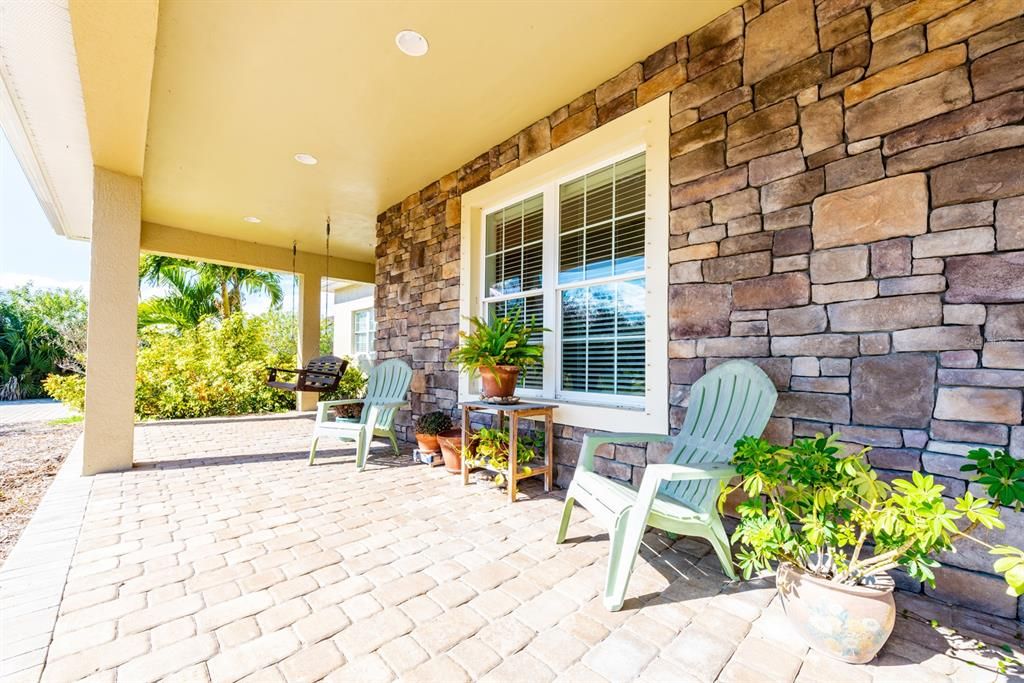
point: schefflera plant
(820, 509)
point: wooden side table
(515, 412)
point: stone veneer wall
(847, 194)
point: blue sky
(30, 251)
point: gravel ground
(30, 455)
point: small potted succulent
(489, 447)
(836, 530)
(498, 350)
(428, 427)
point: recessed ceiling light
(307, 159)
(411, 43)
(252, 219)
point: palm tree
(200, 289)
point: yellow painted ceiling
(239, 87)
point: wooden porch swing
(321, 374)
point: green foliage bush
(216, 368)
(68, 389)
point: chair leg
(394, 441)
(566, 514)
(312, 449)
(362, 446)
(622, 554)
(720, 542)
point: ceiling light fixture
(252, 219)
(307, 159)
(411, 43)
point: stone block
(909, 104)
(888, 23)
(795, 321)
(998, 72)
(773, 291)
(989, 278)
(962, 216)
(958, 359)
(1010, 223)
(963, 314)
(739, 267)
(744, 226)
(971, 377)
(971, 19)
(752, 328)
(792, 241)
(709, 86)
(682, 221)
(826, 156)
(763, 122)
(685, 272)
(745, 244)
(788, 218)
(992, 176)
(981, 116)
(685, 371)
(822, 125)
(765, 54)
(791, 191)
(787, 138)
(938, 338)
(896, 48)
(976, 404)
(890, 313)
(618, 85)
(711, 233)
(661, 83)
(930, 156)
(697, 163)
(825, 385)
(875, 344)
(725, 28)
(843, 29)
(1003, 354)
(835, 345)
(806, 366)
(778, 369)
(830, 408)
(1005, 34)
(891, 258)
(862, 146)
(695, 253)
(791, 80)
(917, 284)
(1005, 323)
(839, 265)
(852, 54)
(699, 310)
(574, 126)
(872, 436)
(853, 171)
(847, 291)
(835, 367)
(787, 264)
(534, 141)
(903, 459)
(1017, 442)
(912, 70)
(709, 187)
(733, 347)
(726, 101)
(970, 432)
(893, 391)
(735, 205)
(880, 210)
(928, 266)
(775, 166)
(697, 135)
(714, 58)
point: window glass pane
(514, 247)
(570, 200)
(570, 267)
(603, 335)
(629, 244)
(528, 307)
(599, 251)
(599, 195)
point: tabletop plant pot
(451, 449)
(499, 381)
(850, 623)
(428, 427)
(349, 412)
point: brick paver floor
(222, 556)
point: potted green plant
(498, 350)
(836, 530)
(489, 447)
(428, 427)
(351, 385)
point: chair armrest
(592, 441)
(323, 406)
(284, 370)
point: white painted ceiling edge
(42, 112)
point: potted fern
(836, 530)
(498, 350)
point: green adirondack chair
(733, 400)
(386, 389)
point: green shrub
(68, 389)
(217, 368)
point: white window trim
(644, 129)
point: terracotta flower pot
(427, 442)
(451, 449)
(499, 381)
(850, 623)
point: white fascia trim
(647, 128)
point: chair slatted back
(389, 381)
(732, 401)
(333, 366)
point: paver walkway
(222, 556)
(34, 410)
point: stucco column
(309, 331)
(113, 312)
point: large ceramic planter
(850, 623)
(451, 450)
(499, 381)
